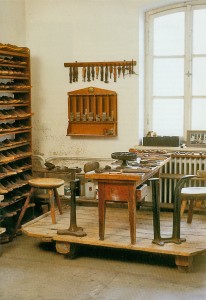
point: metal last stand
(156, 215)
(75, 191)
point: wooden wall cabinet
(15, 132)
(92, 112)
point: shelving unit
(92, 112)
(15, 133)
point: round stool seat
(192, 194)
(46, 183)
(194, 191)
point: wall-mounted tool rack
(92, 112)
(100, 70)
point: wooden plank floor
(117, 230)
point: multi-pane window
(176, 69)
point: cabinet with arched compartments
(92, 112)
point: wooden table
(121, 187)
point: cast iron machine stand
(175, 238)
(75, 191)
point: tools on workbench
(106, 70)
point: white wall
(66, 31)
(59, 31)
(12, 22)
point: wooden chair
(195, 195)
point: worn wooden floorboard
(117, 233)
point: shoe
(5, 126)
(7, 142)
(6, 171)
(16, 168)
(10, 155)
(13, 113)
(7, 186)
(3, 158)
(3, 190)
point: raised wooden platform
(117, 232)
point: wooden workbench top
(139, 174)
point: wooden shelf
(15, 53)
(17, 153)
(92, 112)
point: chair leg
(198, 203)
(56, 195)
(183, 206)
(102, 212)
(52, 209)
(190, 212)
(132, 219)
(24, 208)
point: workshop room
(102, 149)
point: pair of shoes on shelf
(20, 140)
(6, 171)
(7, 142)
(7, 127)
(7, 186)
(10, 154)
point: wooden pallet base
(117, 233)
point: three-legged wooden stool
(50, 184)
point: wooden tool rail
(100, 70)
(103, 63)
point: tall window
(176, 69)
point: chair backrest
(181, 182)
(185, 180)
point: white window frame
(188, 8)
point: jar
(90, 190)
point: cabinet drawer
(141, 192)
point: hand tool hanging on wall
(123, 70)
(88, 74)
(106, 74)
(84, 74)
(75, 74)
(97, 72)
(119, 69)
(93, 73)
(130, 69)
(102, 73)
(115, 73)
(75, 191)
(70, 74)
(110, 71)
